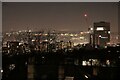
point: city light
(43, 57)
(45, 34)
(108, 62)
(11, 66)
(62, 34)
(63, 42)
(86, 76)
(81, 33)
(30, 31)
(100, 29)
(69, 78)
(46, 40)
(117, 51)
(66, 34)
(85, 15)
(1, 71)
(84, 63)
(91, 29)
(71, 35)
(33, 40)
(104, 37)
(100, 36)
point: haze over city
(67, 16)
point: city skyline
(60, 41)
(58, 16)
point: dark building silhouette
(101, 33)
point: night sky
(66, 16)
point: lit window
(45, 34)
(46, 40)
(108, 32)
(33, 40)
(81, 32)
(29, 30)
(1, 71)
(66, 34)
(84, 63)
(100, 36)
(104, 37)
(91, 28)
(100, 28)
(71, 35)
(81, 38)
(108, 62)
(62, 34)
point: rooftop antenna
(86, 18)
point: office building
(101, 34)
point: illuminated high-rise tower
(101, 34)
